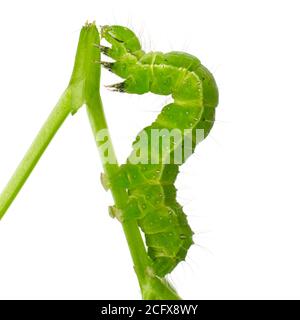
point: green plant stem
(34, 153)
(151, 286)
(132, 233)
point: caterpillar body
(151, 190)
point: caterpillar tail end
(157, 288)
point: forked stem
(84, 88)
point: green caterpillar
(151, 190)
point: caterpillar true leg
(107, 65)
(120, 87)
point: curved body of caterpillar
(151, 190)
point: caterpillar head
(125, 49)
(123, 41)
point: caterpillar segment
(150, 185)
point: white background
(240, 189)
